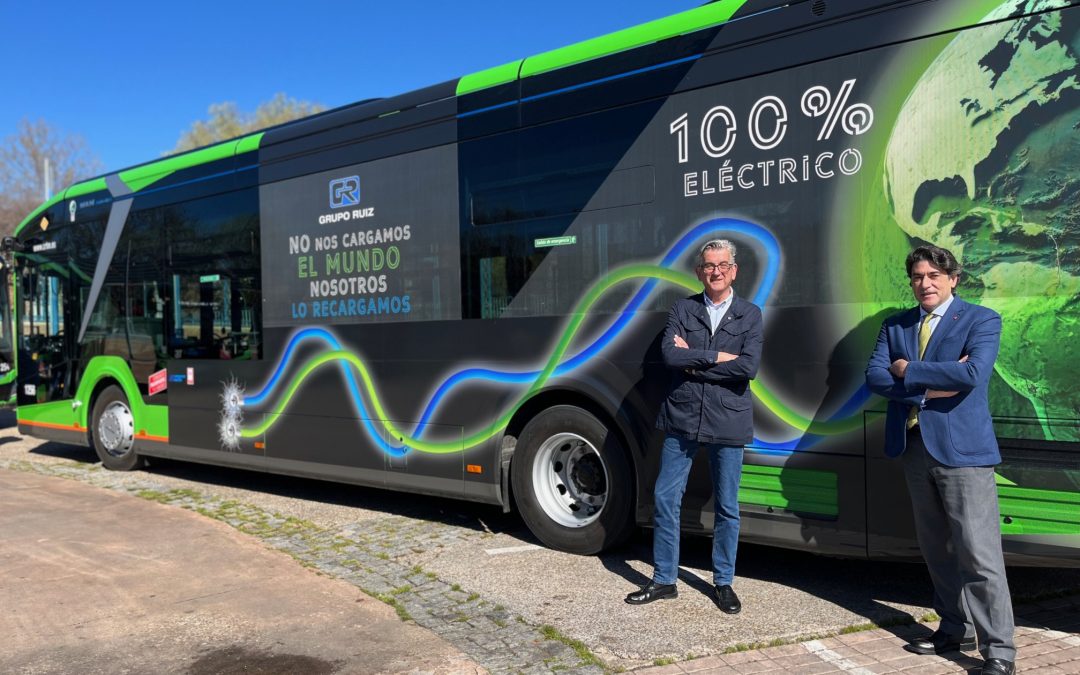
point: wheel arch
(100, 373)
(613, 419)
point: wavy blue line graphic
(771, 270)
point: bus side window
(214, 259)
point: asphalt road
(490, 558)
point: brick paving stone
(1047, 659)
(786, 650)
(932, 667)
(891, 651)
(737, 658)
(794, 662)
(881, 644)
(1049, 670)
(860, 660)
(671, 669)
(910, 661)
(1071, 653)
(880, 668)
(706, 664)
(845, 651)
(819, 668)
(1041, 648)
(859, 637)
(753, 667)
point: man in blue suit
(933, 363)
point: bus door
(49, 318)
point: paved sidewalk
(1046, 637)
(70, 603)
(95, 581)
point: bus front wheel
(112, 429)
(572, 481)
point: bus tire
(572, 481)
(112, 431)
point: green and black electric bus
(460, 290)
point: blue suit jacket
(958, 430)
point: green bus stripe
(508, 72)
(55, 412)
(689, 21)
(1034, 511)
(661, 29)
(142, 176)
(249, 143)
(797, 490)
(85, 188)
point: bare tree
(227, 121)
(22, 168)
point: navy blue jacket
(708, 401)
(957, 430)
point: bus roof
(708, 15)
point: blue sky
(130, 77)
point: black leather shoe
(998, 667)
(651, 592)
(940, 643)
(727, 600)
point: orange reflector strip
(259, 445)
(474, 468)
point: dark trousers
(958, 527)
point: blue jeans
(676, 458)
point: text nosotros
(329, 288)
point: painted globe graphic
(984, 160)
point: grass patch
(402, 613)
(586, 657)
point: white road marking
(512, 549)
(825, 654)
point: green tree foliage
(227, 121)
(22, 168)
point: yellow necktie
(924, 339)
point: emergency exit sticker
(158, 381)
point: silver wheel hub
(116, 429)
(570, 480)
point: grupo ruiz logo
(344, 192)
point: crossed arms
(913, 382)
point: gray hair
(716, 245)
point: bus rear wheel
(112, 430)
(572, 481)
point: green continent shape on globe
(984, 160)
(1041, 339)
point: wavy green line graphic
(573, 326)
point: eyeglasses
(709, 268)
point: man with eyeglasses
(933, 363)
(712, 345)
